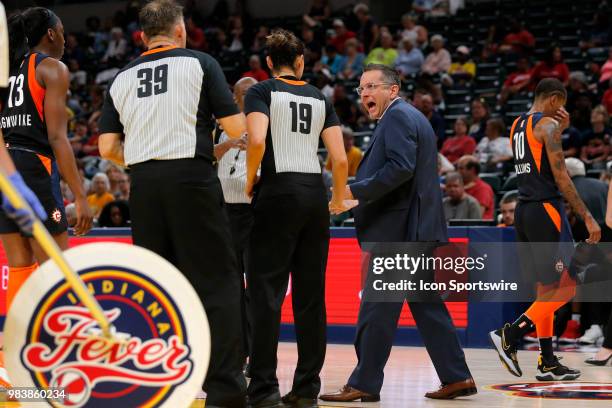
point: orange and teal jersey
(534, 174)
(23, 119)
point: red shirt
(483, 192)
(607, 100)
(455, 147)
(517, 40)
(339, 40)
(518, 77)
(259, 75)
(543, 70)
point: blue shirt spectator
(410, 58)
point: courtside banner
(160, 349)
(342, 284)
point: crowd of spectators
(337, 45)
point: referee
(157, 119)
(285, 119)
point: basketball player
(285, 119)
(34, 122)
(540, 218)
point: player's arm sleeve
(257, 99)
(110, 121)
(331, 119)
(217, 91)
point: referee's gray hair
(389, 74)
(104, 177)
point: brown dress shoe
(454, 390)
(348, 393)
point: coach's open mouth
(371, 105)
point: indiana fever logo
(559, 390)
(65, 349)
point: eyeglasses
(370, 87)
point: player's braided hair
(26, 30)
(158, 17)
(283, 48)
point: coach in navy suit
(399, 200)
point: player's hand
(23, 217)
(563, 118)
(84, 217)
(250, 185)
(594, 230)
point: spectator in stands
(469, 167)
(115, 214)
(123, 192)
(341, 36)
(593, 192)
(345, 108)
(423, 101)
(72, 50)
(605, 72)
(518, 81)
(353, 63)
(578, 88)
(599, 36)
(71, 216)
(312, 47)
(368, 29)
(439, 60)
(138, 46)
(479, 115)
(410, 58)
(117, 47)
(98, 39)
(571, 142)
(114, 173)
(256, 70)
(596, 142)
(409, 28)
(101, 194)
(318, 13)
(518, 40)
(430, 7)
(333, 60)
(386, 54)
(552, 66)
(263, 31)
(236, 30)
(353, 153)
(494, 150)
(457, 204)
(460, 144)
(196, 39)
(78, 137)
(507, 205)
(606, 100)
(463, 69)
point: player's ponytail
(26, 29)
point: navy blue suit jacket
(397, 181)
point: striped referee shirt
(231, 170)
(298, 114)
(164, 101)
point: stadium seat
(511, 183)
(492, 179)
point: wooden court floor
(409, 374)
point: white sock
(576, 317)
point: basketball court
(409, 375)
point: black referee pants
(177, 211)
(290, 235)
(241, 223)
